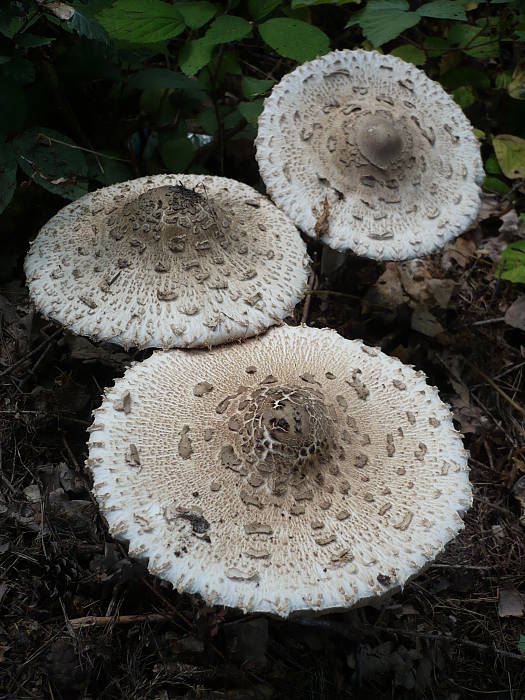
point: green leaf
(512, 265)
(194, 55)
(260, 8)
(196, 14)
(8, 166)
(177, 153)
(4, 59)
(252, 87)
(162, 79)
(443, 9)
(251, 111)
(474, 41)
(466, 75)
(88, 27)
(516, 88)
(435, 46)
(510, 152)
(494, 184)
(14, 108)
(141, 22)
(309, 3)
(114, 170)
(49, 159)
(464, 96)
(521, 644)
(294, 39)
(32, 41)
(492, 166)
(384, 20)
(410, 53)
(225, 29)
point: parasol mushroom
(168, 260)
(364, 152)
(295, 471)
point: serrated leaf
(292, 38)
(8, 166)
(196, 14)
(194, 55)
(252, 87)
(114, 170)
(410, 54)
(473, 41)
(443, 9)
(226, 29)
(260, 8)
(177, 153)
(162, 79)
(32, 41)
(141, 22)
(384, 20)
(48, 158)
(251, 111)
(88, 27)
(510, 152)
(512, 265)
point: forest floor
(453, 632)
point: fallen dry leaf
(510, 603)
(515, 314)
(460, 252)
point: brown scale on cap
(288, 446)
(168, 261)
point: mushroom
(295, 471)
(168, 261)
(366, 153)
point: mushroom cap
(366, 153)
(294, 471)
(168, 261)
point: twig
(98, 621)
(30, 354)
(51, 139)
(306, 308)
(328, 292)
(486, 321)
(436, 636)
(516, 406)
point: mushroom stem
(331, 261)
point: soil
(453, 632)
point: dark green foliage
(126, 87)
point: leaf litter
(79, 618)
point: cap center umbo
(290, 425)
(167, 220)
(379, 140)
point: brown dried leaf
(510, 603)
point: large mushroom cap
(367, 153)
(298, 470)
(168, 261)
